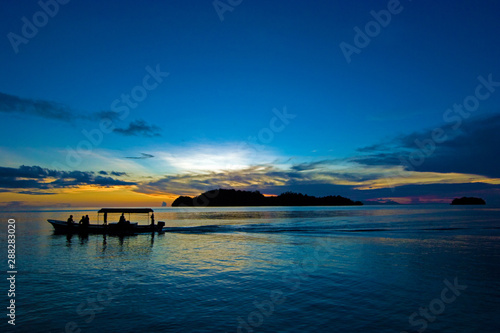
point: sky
(128, 103)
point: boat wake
(305, 229)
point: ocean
(427, 268)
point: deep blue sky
(226, 77)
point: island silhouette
(231, 197)
(468, 201)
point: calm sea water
(280, 269)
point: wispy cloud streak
(32, 179)
(33, 107)
(142, 157)
(11, 104)
(139, 128)
(471, 149)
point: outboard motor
(160, 226)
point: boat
(123, 227)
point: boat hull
(111, 228)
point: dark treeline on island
(221, 197)
(468, 201)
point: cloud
(192, 183)
(36, 193)
(215, 157)
(51, 110)
(12, 205)
(329, 177)
(308, 166)
(23, 205)
(112, 173)
(438, 193)
(435, 192)
(36, 177)
(118, 174)
(142, 157)
(39, 108)
(260, 177)
(109, 181)
(270, 180)
(27, 172)
(139, 128)
(470, 148)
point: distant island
(468, 201)
(223, 197)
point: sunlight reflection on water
(380, 266)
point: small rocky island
(468, 201)
(222, 198)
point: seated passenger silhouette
(122, 221)
(70, 221)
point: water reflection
(105, 245)
(121, 238)
(68, 239)
(84, 238)
(364, 280)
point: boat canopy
(125, 210)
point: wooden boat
(124, 227)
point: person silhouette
(153, 219)
(122, 219)
(87, 221)
(82, 221)
(70, 221)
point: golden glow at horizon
(215, 171)
(90, 196)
